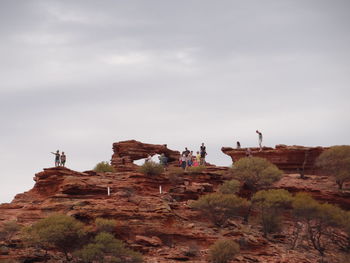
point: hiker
(189, 159)
(183, 160)
(238, 145)
(198, 157)
(163, 160)
(186, 152)
(248, 152)
(195, 162)
(260, 139)
(148, 159)
(63, 159)
(57, 158)
(203, 154)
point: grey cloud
(79, 75)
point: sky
(79, 75)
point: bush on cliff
(8, 230)
(151, 168)
(104, 167)
(320, 220)
(195, 169)
(336, 161)
(230, 187)
(223, 251)
(58, 231)
(105, 225)
(106, 245)
(271, 204)
(256, 172)
(221, 207)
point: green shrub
(58, 231)
(105, 225)
(103, 167)
(151, 168)
(105, 244)
(222, 251)
(271, 204)
(230, 187)
(8, 230)
(336, 161)
(195, 169)
(221, 207)
(320, 220)
(256, 172)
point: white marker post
(160, 189)
(108, 191)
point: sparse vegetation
(195, 169)
(105, 244)
(271, 203)
(221, 207)
(104, 167)
(58, 231)
(255, 172)
(8, 230)
(320, 220)
(151, 168)
(105, 225)
(230, 187)
(336, 161)
(222, 251)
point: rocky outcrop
(322, 188)
(126, 152)
(153, 213)
(290, 159)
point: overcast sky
(79, 75)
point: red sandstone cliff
(290, 159)
(161, 226)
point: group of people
(187, 159)
(248, 151)
(60, 159)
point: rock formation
(290, 159)
(126, 152)
(160, 225)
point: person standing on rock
(183, 160)
(238, 145)
(198, 157)
(260, 139)
(63, 159)
(203, 154)
(57, 158)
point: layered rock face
(126, 152)
(153, 213)
(290, 159)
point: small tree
(57, 231)
(271, 204)
(103, 167)
(8, 230)
(221, 207)
(105, 225)
(105, 244)
(256, 172)
(230, 187)
(336, 161)
(222, 251)
(151, 168)
(320, 220)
